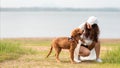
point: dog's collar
(75, 40)
(72, 39)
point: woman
(91, 47)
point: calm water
(54, 24)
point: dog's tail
(49, 52)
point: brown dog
(66, 43)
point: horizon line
(57, 9)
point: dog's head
(76, 33)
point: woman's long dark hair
(93, 33)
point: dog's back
(62, 42)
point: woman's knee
(87, 53)
(84, 51)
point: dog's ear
(72, 35)
(80, 32)
(74, 32)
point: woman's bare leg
(84, 51)
(95, 45)
(97, 49)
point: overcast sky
(61, 3)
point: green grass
(112, 56)
(26, 58)
(12, 50)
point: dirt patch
(110, 40)
(38, 48)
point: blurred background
(54, 18)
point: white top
(88, 41)
(82, 26)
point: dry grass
(39, 61)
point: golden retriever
(66, 43)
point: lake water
(54, 24)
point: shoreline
(50, 38)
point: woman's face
(89, 26)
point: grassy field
(31, 52)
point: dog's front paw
(58, 61)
